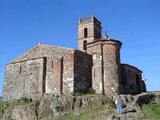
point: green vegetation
(91, 91)
(21, 102)
(92, 114)
(4, 105)
(152, 111)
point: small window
(85, 32)
(52, 64)
(84, 44)
(20, 69)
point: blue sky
(25, 23)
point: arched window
(85, 32)
(84, 44)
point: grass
(4, 105)
(21, 102)
(152, 111)
(92, 114)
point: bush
(4, 105)
(24, 100)
(91, 91)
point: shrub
(4, 105)
(91, 91)
(24, 101)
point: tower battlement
(89, 19)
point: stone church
(57, 70)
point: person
(119, 105)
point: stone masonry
(57, 70)
(47, 69)
(108, 74)
(106, 61)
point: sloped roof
(37, 49)
(131, 66)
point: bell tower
(89, 30)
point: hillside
(86, 107)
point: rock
(24, 113)
(147, 98)
(51, 106)
(127, 99)
(29, 112)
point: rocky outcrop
(133, 106)
(51, 106)
(21, 113)
(147, 98)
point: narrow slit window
(84, 44)
(85, 32)
(20, 69)
(52, 64)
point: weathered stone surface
(82, 72)
(58, 70)
(52, 106)
(48, 69)
(132, 82)
(107, 75)
(106, 66)
(24, 78)
(92, 28)
(147, 98)
(22, 113)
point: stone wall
(25, 78)
(131, 80)
(93, 31)
(68, 74)
(95, 51)
(58, 71)
(59, 66)
(82, 71)
(111, 58)
(48, 69)
(106, 69)
(143, 86)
